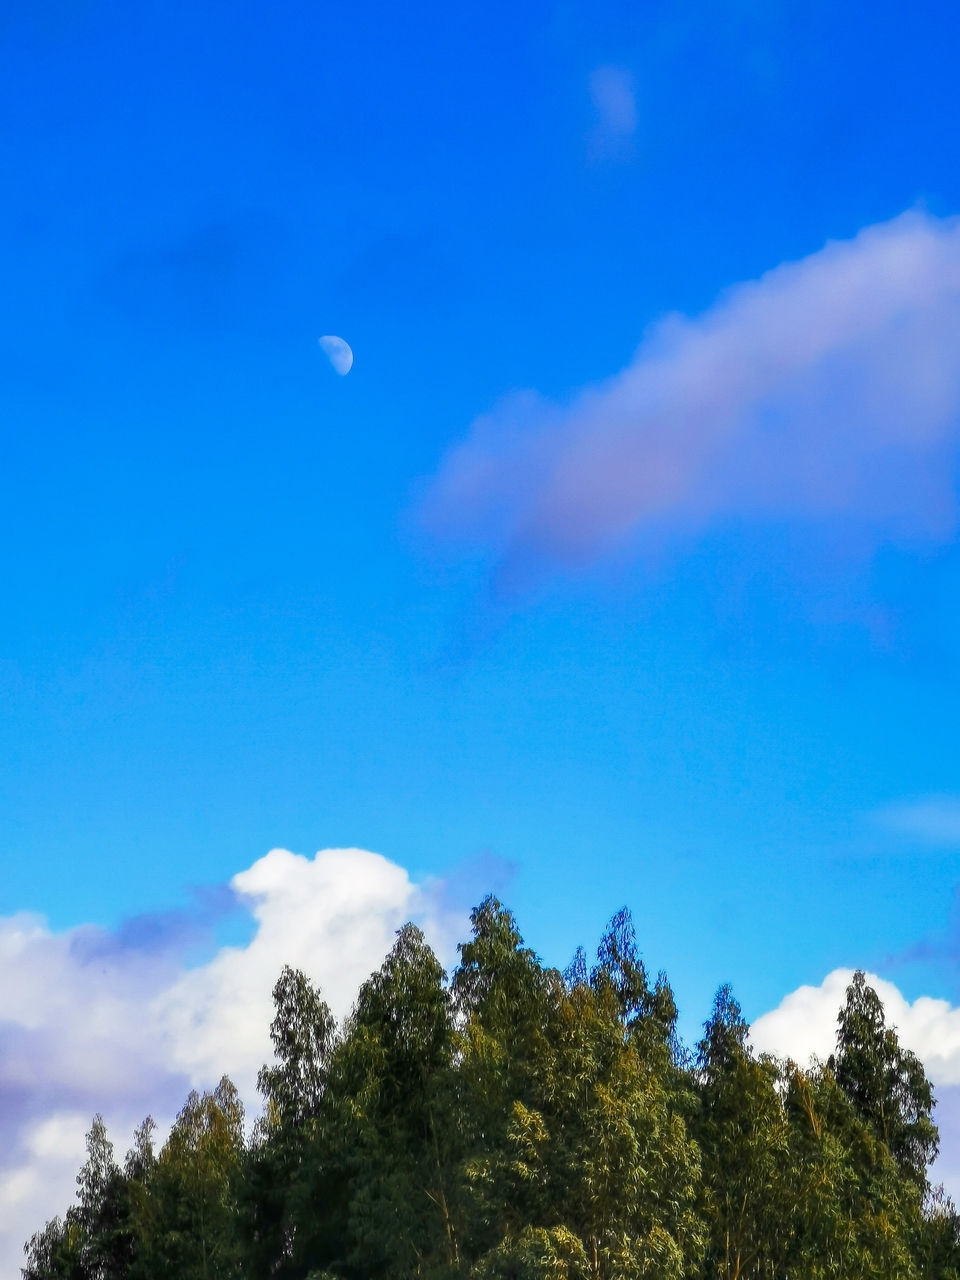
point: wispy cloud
(614, 101)
(122, 1025)
(167, 933)
(828, 390)
(931, 820)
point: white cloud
(931, 820)
(805, 1023)
(86, 1026)
(334, 917)
(827, 390)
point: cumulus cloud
(804, 1025)
(92, 1021)
(826, 390)
(932, 820)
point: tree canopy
(512, 1122)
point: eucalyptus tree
(742, 1133)
(506, 1006)
(193, 1227)
(289, 1197)
(94, 1240)
(886, 1083)
(523, 1124)
(392, 1122)
(54, 1252)
(853, 1216)
(579, 1163)
(601, 1156)
(649, 1013)
(938, 1251)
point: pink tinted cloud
(827, 389)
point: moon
(338, 353)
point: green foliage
(601, 1151)
(518, 1123)
(287, 1170)
(938, 1244)
(186, 1217)
(885, 1083)
(391, 1089)
(95, 1239)
(536, 1254)
(742, 1134)
(303, 1032)
(54, 1252)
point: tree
(139, 1170)
(647, 1012)
(95, 1239)
(506, 1005)
(499, 985)
(289, 1196)
(938, 1244)
(303, 1033)
(742, 1134)
(54, 1252)
(391, 1085)
(601, 1164)
(194, 1191)
(886, 1084)
(579, 1163)
(851, 1216)
(523, 1124)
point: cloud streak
(827, 390)
(118, 1023)
(931, 820)
(614, 102)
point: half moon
(338, 353)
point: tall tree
(194, 1191)
(303, 1033)
(291, 1205)
(742, 1134)
(647, 1012)
(850, 1213)
(521, 1124)
(938, 1242)
(500, 985)
(95, 1240)
(139, 1169)
(602, 1166)
(886, 1084)
(506, 1006)
(391, 1085)
(54, 1253)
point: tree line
(519, 1123)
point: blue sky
(231, 617)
